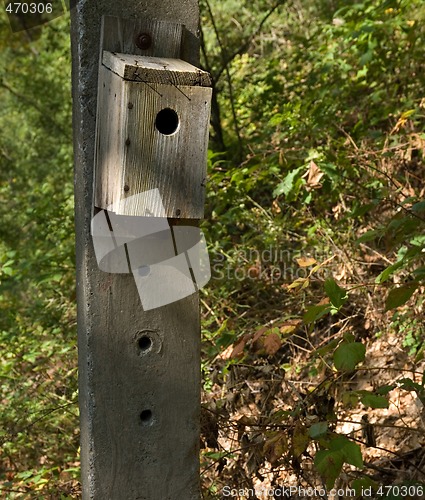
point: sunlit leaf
(306, 261)
(288, 183)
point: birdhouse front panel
(152, 132)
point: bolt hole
(146, 416)
(167, 121)
(145, 343)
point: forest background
(313, 321)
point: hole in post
(167, 121)
(146, 417)
(145, 343)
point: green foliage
(321, 108)
(318, 430)
(314, 218)
(400, 295)
(340, 450)
(348, 355)
(336, 294)
(374, 401)
(39, 422)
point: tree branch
(30, 102)
(229, 81)
(215, 107)
(244, 47)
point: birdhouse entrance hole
(167, 121)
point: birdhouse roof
(155, 69)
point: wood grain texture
(110, 138)
(124, 457)
(120, 36)
(155, 70)
(132, 154)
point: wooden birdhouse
(151, 132)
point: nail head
(144, 41)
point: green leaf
(348, 337)
(314, 313)
(359, 211)
(350, 451)
(289, 182)
(408, 385)
(336, 294)
(36, 479)
(330, 346)
(276, 119)
(374, 401)
(216, 455)
(385, 389)
(418, 207)
(350, 398)
(386, 273)
(420, 354)
(329, 464)
(366, 58)
(317, 430)
(419, 272)
(8, 271)
(361, 485)
(300, 440)
(347, 356)
(418, 240)
(368, 236)
(400, 295)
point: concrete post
(139, 414)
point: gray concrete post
(139, 415)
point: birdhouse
(151, 133)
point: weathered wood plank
(134, 156)
(121, 36)
(110, 140)
(151, 135)
(155, 70)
